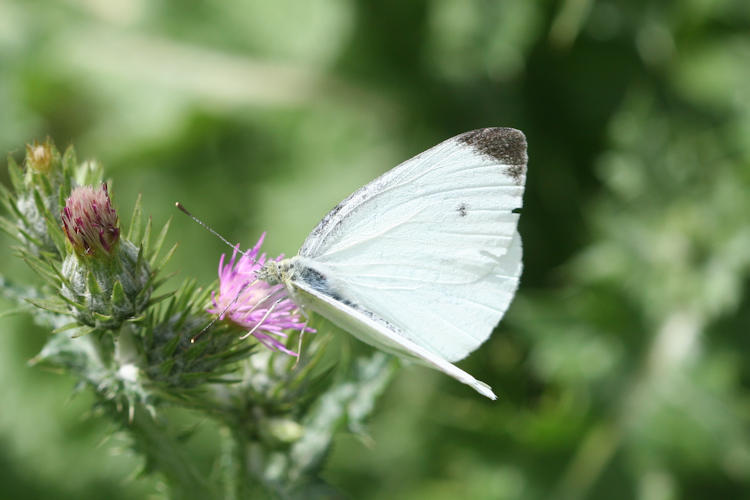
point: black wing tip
(507, 145)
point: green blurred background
(621, 366)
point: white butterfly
(423, 261)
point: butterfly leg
(301, 333)
(263, 319)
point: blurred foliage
(620, 366)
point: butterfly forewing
(431, 246)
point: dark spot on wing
(319, 282)
(462, 210)
(314, 278)
(506, 145)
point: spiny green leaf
(31, 239)
(146, 239)
(58, 238)
(156, 300)
(191, 376)
(136, 319)
(213, 380)
(232, 355)
(83, 330)
(66, 327)
(118, 294)
(7, 198)
(159, 242)
(39, 203)
(165, 368)
(46, 185)
(16, 175)
(169, 347)
(156, 284)
(168, 309)
(71, 303)
(166, 258)
(41, 269)
(66, 187)
(134, 230)
(52, 262)
(184, 314)
(102, 318)
(92, 284)
(69, 161)
(138, 262)
(196, 350)
(11, 230)
(52, 305)
(19, 215)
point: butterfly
(423, 261)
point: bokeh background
(621, 366)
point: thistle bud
(90, 222)
(39, 157)
(107, 279)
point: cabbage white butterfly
(423, 261)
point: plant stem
(242, 465)
(164, 454)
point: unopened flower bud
(39, 157)
(90, 222)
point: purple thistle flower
(247, 301)
(90, 222)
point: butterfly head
(275, 273)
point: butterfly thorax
(276, 272)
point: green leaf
(39, 203)
(69, 161)
(170, 347)
(92, 284)
(11, 230)
(66, 327)
(166, 258)
(57, 235)
(165, 368)
(156, 300)
(30, 239)
(119, 298)
(102, 318)
(19, 215)
(54, 305)
(66, 187)
(46, 185)
(83, 330)
(138, 262)
(41, 269)
(16, 175)
(159, 242)
(146, 239)
(134, 231)
(156, 284)
(7, 199)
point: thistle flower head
(90, 222)
(252, 304)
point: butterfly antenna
(214, 320)
(263, 319)
(206, 226)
